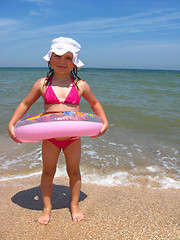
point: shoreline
(121, 178)
(117, 212)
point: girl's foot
(77, 214)
(45, 216)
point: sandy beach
(110, 212)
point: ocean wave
(150, 177)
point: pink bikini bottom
(63, 143)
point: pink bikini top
(51, 97)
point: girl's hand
(12, 135)
(103, 130)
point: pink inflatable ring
(38, 127)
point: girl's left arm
(23, 107)
(95, 105)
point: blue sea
(141, 146)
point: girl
(61, 91)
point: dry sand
(110, 212)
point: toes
(78, 218)
(45, 222)
(44, 218)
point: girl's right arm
(23, 107)
(95, 105)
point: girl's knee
(73, 173)
(48, 174)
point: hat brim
(61, 52)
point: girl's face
(62, 64)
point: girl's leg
(50, 154)
(73, 155)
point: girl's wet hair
(50, 74)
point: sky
(136, 34)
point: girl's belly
(60, 107)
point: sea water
(141, 146)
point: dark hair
(51, 73)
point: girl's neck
(62, 78)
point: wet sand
(110, 212)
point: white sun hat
(62, 45)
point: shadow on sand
(32, 198)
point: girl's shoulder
(84, 87)
(82, 84)
(40, 82)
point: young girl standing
(61, 91)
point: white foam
(86, 146)
(153, 169)
(61, 172)
(102, 166)
(124, 178)
(139, 150)
(112, 143)
(115, 179)
(129, 154)
(124, 148)
(20, 176)
(90, 152)
(164, 182)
